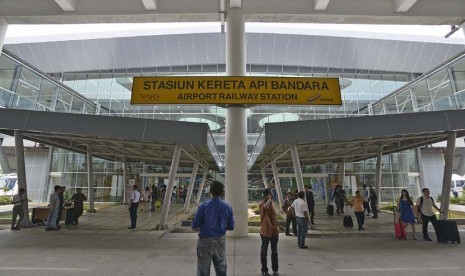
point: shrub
(5, 200)
(454, 200)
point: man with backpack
(310, 203)
(425, 204)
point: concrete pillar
(3, 29)
(236, 127)
(265, 183)
(421, 170)
(461, 165)
(47, 174)
(21, 174)
(277, 184)
(448, 166)
(125, 182)
(378, 174)
(90, 180)
(343, 173)
(199, 193)
(327, 190)
(3, 159)
(297, 170)
(191, 186)
(61, 160)
(169, 190)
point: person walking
(366, 200)
(300, 208)
(61, 206)
(212, 219)
(18, 209)
(310, 203)
(144, 199)
(154, 196)
(78, 199)
(425, 204)
(339, 199)
(406, 211)
(51, 224)
(290, 217)
(373, 202)
(269, 232)
(359, 211)
(134, 204)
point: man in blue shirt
(212, 219)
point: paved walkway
(102, 245)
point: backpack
(421, 203)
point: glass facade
(441, 89)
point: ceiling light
(211, 124)
(279, 117)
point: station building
(88, 70)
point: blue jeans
(52, 218)
(208, 250)
(302, 228)
(133, 214)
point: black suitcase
(448, 231)
(348, 222)
(330, 210)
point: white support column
(379, 158)
(448, 165)
(327, 190)
(199, 193)
(169, 190)
(90, 180)
(277, 184)
(236, 126)
(191, 186)
(21, 174)
(4, 163)
(3, 29)
(265, 183)
(343, 173)
(47, 177)
(125, 182)
(297, 170)
(421, 170)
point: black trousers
(292, 219)
(366, 207)
(426, 220)
(311, 210)
(373, 204)
(274, 252)
(360, 219)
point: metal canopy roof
(330, 11)
(115, 138)
(353, 139)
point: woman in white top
(144, 199)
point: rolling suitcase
(399, 229)
(448, 231)
(330, 210)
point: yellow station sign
(236, 90)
